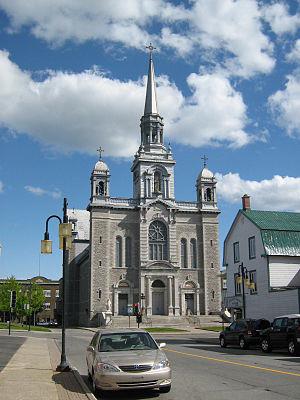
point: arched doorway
(158, 297)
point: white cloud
(285, 105)
(55, 194)
(215, 114)
(79, 112)
(1, 186)
(294, 55)
(279, 18)
(234, 26)
(279, 193)
(231, 28)
(57, 21)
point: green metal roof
(284, 243)
(275, 220)
(280, 231)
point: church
(149, 249)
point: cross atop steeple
(150, 48)
(100, 151)
(204, 158)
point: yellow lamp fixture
(46, 246)
(239, 279)
(68, 243)
(65, 230)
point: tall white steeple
(153, 166)
(151, 99)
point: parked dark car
(243, 332)
(284, 333)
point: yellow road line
(276, 371)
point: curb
(83, 385)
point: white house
(263, 248)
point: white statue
(108, 305)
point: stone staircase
(194, 321)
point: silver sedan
(127, 359)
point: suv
(243, 332)
(283, 333)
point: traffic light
(136, 309)
(13, 298)
(139, 319)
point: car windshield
(126, 342)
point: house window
(47, 306)
(237, 285)
(57, 293)
(253, 282)
(47, 293)
(224, 284)
(158, 241)
(193, 251)
(118, 252)
(183, 253)
(128, 251)
(236, 252)
(251, 243)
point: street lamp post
(244, 279)
(65, 236)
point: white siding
(282, 270)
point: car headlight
(161, 364)
(104, 367)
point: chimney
(246, 202)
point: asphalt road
(204, 371)
(8, 346)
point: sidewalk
(30, 375)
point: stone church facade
(149, 249)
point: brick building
(151, 248)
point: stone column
(170, 295)
(197, 301)
(176, 298)
(116, 302)
(149, 296)
(183, 308)
(123, 252)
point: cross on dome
(100, 151)
(204, 158)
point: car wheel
(165, 389)
(265, 345)
(223, 341)
(243, 344)
(292, 348)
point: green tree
(36, 299)
(5, 290)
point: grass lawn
(212, 328)
(164, 330)
(19, 327)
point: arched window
(118, 252)
(183, 253)
(158, 241)
(101, 189)
(157, 182)
(193, 253)
(158, 283)
(128, 251)
(209, 194)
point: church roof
(205, 174)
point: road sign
(129, 309)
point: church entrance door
(123, 302)
(189, 304)
(158, 306)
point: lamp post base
(64, 366)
